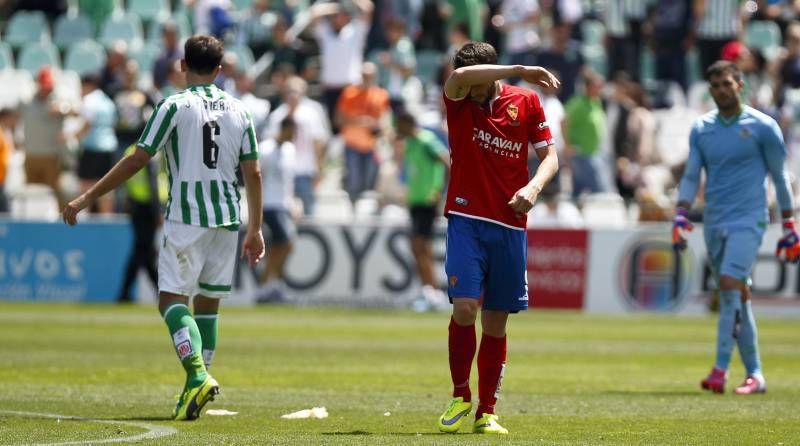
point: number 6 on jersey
(210, 147)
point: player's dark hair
(403, 115)
(475, 53)
(288, 123)
(723, 67)
(203, 54)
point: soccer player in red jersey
(491, 127)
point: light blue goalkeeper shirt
(737, 154)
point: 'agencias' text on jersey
(489, 153)
(205, 134)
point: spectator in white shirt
(311, 138)
(277, 159)
(341, 38)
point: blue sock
(748, 341)
(729, 307)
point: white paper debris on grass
(387, 414)
(220, 412)
(315, 412)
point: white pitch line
(153, 430)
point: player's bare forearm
(524, 199)
(461, 79)
(548, 166)
(252, 185)
(121, 171)
(253, 244)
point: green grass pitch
(572, 379)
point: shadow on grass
(654, 393)
(406, 434)
(161, 418)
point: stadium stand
(27, 27)
(36, 55)
(85, 57)
(6, 58)
(70, 29)
(121, 26)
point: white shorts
(197, 260)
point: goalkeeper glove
(789, 243)
(680, 226)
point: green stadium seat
(428, 64)
(693, 71)
(85, 57)
(36, 55)
(240, 5)
(596, 58)
(72, 28)
(27, 27)
(245, 55)
(6, 58)
(593, 32)
(648, 65)
(121, 26)
(145, 56)
(149, 10)
(154, 29)
(763, 35)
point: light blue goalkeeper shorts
(732, 251)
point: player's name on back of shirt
(215, 105)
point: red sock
(461, 345)
(491, 364)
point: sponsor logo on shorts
(543, 125)
(462, 201)
(523, 298)
(453, 281)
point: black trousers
(144, 219)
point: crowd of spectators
(630, 70)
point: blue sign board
(56, 262)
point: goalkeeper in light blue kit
(737, 146)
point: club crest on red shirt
(513, 111)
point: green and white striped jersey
(205, 133)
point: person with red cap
(43, 121)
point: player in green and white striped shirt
(205, 134)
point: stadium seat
(596, 58)
(593, 32)
(85, 57)
(244, 54)
(121, 26)
(27, 27)
(145, 55)
(72, 28)
(693, 70)
(428, 64)
(333, 205)
(763, 35)
(37, 54)
(149, 10)
(241, 5)
(604, 210)
(34, 202)
(648, 66)
(6, 58)
(154, 29)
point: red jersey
(489, 153)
